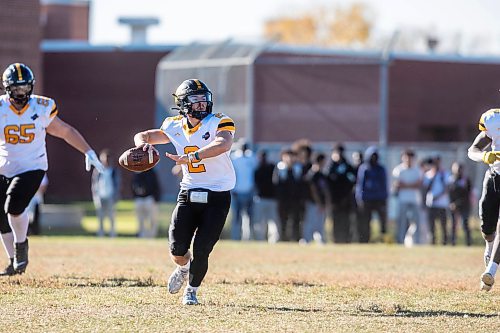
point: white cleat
(176, 280)
(487, 281)
(189, 297)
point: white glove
(92, 160)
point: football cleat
(176, 280)
(189, 297)
(487, 281)
(9, 270)
(21, 257)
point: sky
(182, 22)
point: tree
(323, 26)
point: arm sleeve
(226, 124)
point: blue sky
(186, 21)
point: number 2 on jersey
(194, 167)
(18, 134)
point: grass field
(87, 284)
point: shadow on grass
(82, 282)
(109, 282)
(420, 314)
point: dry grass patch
(96, 285)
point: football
(137, 160)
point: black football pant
(16, 193)
(204, 222)
(489, 204)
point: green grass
(126, 224)
(87, 284)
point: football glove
(92, 160)
(490, 157)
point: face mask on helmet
(199, 106)
(193, 98)
(18, 81)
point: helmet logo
(19, 72)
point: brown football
(137, 160)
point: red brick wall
(65, 21)
(108, 97)
(20, 35)
(440, 101)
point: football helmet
(185, 103)
(18, 81)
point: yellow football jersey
(215, 173)
(22, 140)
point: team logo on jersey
(33, 117)
(177, 134)
(206, 136)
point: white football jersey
(22, 138)
(215, 173)
(490, 123)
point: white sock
(8, 244)
(489, 246)
(19, 225)
(191, 288)
(492, 268)
(185, 268)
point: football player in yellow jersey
(202, 141)
(485, 149)
(25, 120)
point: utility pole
(385, 60)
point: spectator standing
(146, 193)
(371, 195)
(244, 164)
(341, 179)
(459, 189)
(437, 199)
(316, 204)
(407, 182)
(357, 160)
(288, 179)
(265, 213)
(105, 192)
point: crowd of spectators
(291, 199)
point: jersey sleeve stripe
(224, 124)
(54, 112)
(227, 128)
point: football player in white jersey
(24, 120)
(486, 148)
(202, 141)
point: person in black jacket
(265, 207)
(341, 178)
(459, 189)
(289, 178)
(146, 191)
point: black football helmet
(189, 88)
(18, 81)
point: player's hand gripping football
(91, 159)
(149, 148)
(490, 157)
